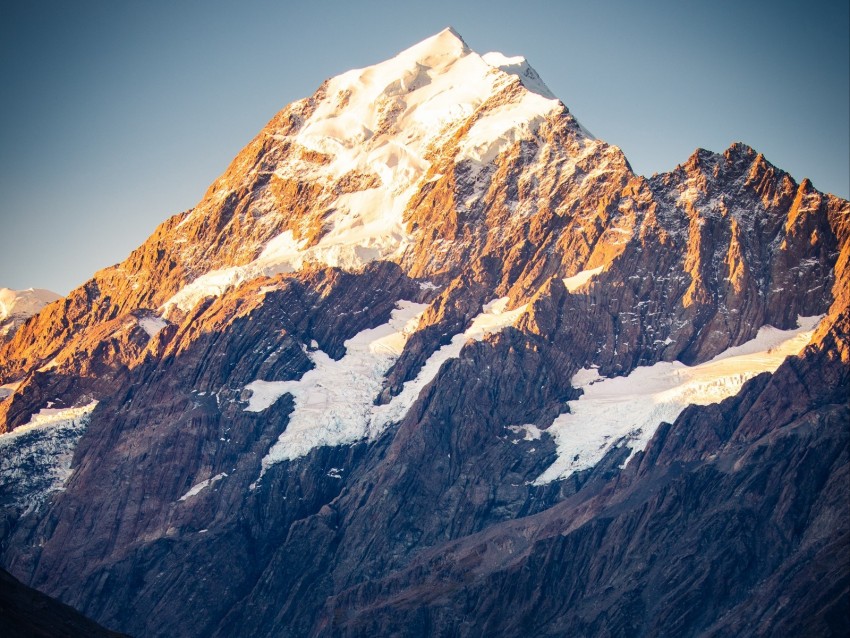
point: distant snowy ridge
(18, 305)
(24, 302)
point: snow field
(628, 410)
(334, 401)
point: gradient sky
(115, 115)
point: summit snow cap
(378, 130)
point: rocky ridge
(321, 226)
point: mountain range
(430, 359)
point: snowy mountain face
(362, 149)
(428, 351)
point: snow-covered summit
(366, 141)
(386, 118)
(437, 49)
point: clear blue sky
(116, 115)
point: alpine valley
(429, 359)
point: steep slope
(25, 613)
(370, 379)
(730, 510)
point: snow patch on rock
(579, 279)
(628, 410)
(152, 325)
(334, 402)
(528, 432)
(197, 488)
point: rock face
(354, 391)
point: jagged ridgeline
(429, 359)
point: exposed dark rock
(26, 613)
(702, 543)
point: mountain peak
(383, 125)
(448, 45)
(439, 48)
(425, 291)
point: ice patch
(628, 410)
(334, 401)
(529, 432)
(35, 459)
(152, 325)
(579, 279)
(195, 489)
